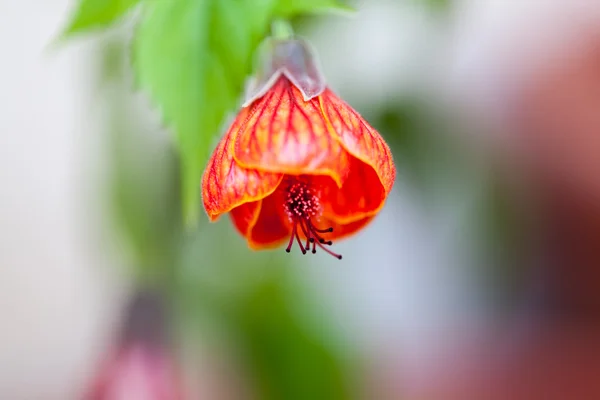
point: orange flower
(297, 167)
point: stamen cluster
(301, 205)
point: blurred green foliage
(502, 232)
(442, 5)
(444, 171)
(290, 8)
(97, 14)
(289, 360)
(193, 57)
(425, 151)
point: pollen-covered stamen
(301, 205)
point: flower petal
(226, 185)
(272, 227)
(341, 230)
(285, 134)
(361, 195)
(359, 138)
(244, 217)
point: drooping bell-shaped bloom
(297, 164)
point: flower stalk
(282, 30)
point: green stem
(282, 29)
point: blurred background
(479, 280)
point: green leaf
(289, 8)
(193, 56)
(97, 14)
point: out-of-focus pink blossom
(141, 366)
(137, 372)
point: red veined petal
(285, 134)
(361, 195)
(272, 226)
(244, 216)
(226, 185)
(359, 138)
